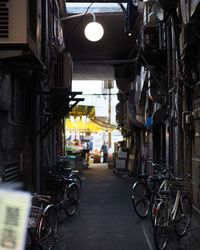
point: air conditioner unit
(153, 45)
(153, 34)
(153, 37)
(67, 71)
(20, 28)
(63, 70)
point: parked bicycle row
(61, 199)
(166, 198)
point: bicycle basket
(34, 216)
(184, 186)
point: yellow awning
(106, 125)
(87, 126)
(84, 120)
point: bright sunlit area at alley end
(92, 122)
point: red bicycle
(43, 224)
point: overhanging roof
(114, 48)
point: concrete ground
(106, 220)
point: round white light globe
(94, 31)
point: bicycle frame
(40, 225)
(171, 212)
(175, 207)
(148, 198)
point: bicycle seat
(75, 171)
(68, 180)
(156, 178)
(145, 176)
(167, 192)
(67, 169)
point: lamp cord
(123, 9)
(78, 22)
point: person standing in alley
(104, 150)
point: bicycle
(43, 224)
(63, 167)
(144, 190)
(173, 211)
(65, 192)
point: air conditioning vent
(63, 71)
(19, 31)
(4, 19)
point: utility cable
(80, 20)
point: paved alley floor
(106, 220)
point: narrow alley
(106, 220)
(109, 91)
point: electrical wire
(155, 75)
(79, 21)
(184, 76)
(123, 8)
(102, 94)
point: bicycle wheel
(71, 199)
(140, 199)
(183, 216)
(161, 227)
(48, 227)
